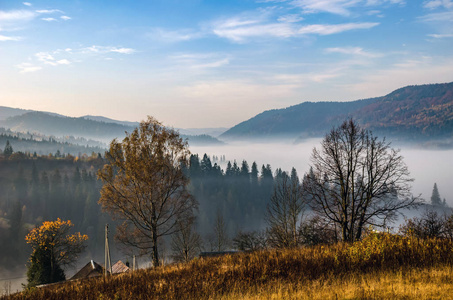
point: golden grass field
(381, 266)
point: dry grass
(434, 283)
(382, 266)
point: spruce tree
(8, 149)
(435, 196)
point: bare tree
(144, 185)
(316, 230)
(429, 225)
(186, 243)
(285, 211)
(357, 180)
(250, 241)
(221, 240)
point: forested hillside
(78, 130)
(44, 123)
(417, 112)
(410, 113)
(36, 189)
(41, 145)
(39, 188)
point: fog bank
(426, 166)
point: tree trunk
(155, 250)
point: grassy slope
(382, 266)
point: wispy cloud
(65, 18)
(69, 56)
(4, 38)
(433, 4)
(358, 51)
(49, 59)
(201, 61)
(49, 11)
(446, 16)
(26, 3)
(238, 30)
(49, 19)
(291, 18)
(441, 36)
(339, 7)
(16, 15)
(172, 36)
(104, 49)
(322, 29)
(28, 68)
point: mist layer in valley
(426, 166)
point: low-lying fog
(426, 166)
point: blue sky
(194, 63)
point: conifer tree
(8, 149)
(435, 196)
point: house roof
(91, 269)
(120, 267)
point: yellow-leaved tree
(53, 248)
(145, 186)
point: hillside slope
(413, 112)
(382, 266)
(97, 128)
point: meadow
(381, 266)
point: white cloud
(26, 3)
(16, 15)
(292, 18)
(322, 29)
(433, 4)
(239, 31)
(49, 19)
(173, 36)
(28, 68)
(65, 18)
(446, 16)
(122, 50)
(239, 34)
(49, 11)
(441, 36)
(104, 49)
(48, 59)
(338, 7)
(63, 62)
(200, 61)
(4, 38)
(352, 51)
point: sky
(195, 64)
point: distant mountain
(6, 112)
(88, 127)
(108, 120)
(45, 123)
(214, 132)
(409, 113)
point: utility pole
(107, 252)
(133, 263)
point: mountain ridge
(409, 113)
(103, 129)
